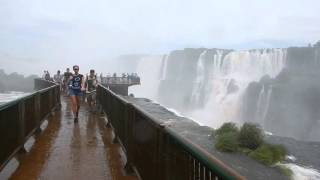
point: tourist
(57, 78)
(91, 85)
(76, 86)
(66, 78)
(47, 76)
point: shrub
(226, 128)
(250, 136)
(269, 154)
(245, 151)
(227, 142)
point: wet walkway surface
(68, 150)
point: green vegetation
(226, 128)
(250, 136)
(227, 142)
(269, 154)
(227, 137)
(249, 140)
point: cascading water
(200, 79)
(164, 67)
(148, 69)
(221, 80)
(263, 105)
(231, 76)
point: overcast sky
(60, 33)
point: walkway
(65, 150)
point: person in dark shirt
(76, 87)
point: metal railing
(19, 119)
(120, 80)
(154, 150)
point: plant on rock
(226, 128)
(250, 136)
(227, 142)
(227, 137)
(269, 154)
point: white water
(302, 173)
(164, 68)
(233, 71)
(149, 69)
(200, 79)
(11, 95)
(237, 69)
(263, 105)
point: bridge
(103, 145)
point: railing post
(130, 120)
(37, 113)
(115, 120)
(161, 155)
(21, 125)
(51, 101)
(57, 97)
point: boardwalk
(65, 150)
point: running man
(76, 86)
(57, 78)
(66, 79)
(91, 85)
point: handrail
(156, 151)
(20, 118)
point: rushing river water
(10, 95)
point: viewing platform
(120, 84)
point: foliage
(245, 151)
(226, 128)
(250, 136)
(250, 141)
(227, 142)
(269, 154)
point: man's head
(68, 69)
(91, 72)
(58, 71)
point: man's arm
(83, 84)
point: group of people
(77, 86)
(124, 78)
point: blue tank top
(75, 82)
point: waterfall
(164, 67)
(263, 105)
(230, 80)
(148, 69)
(221, 80)
(217, 61)
(199, 83)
